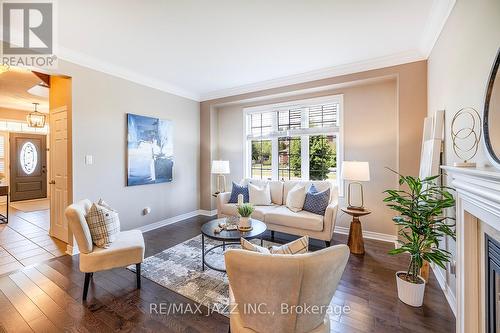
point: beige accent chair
(127, 249)
(276, 280)
(279, 218)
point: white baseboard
(72, 250)
(450, 297)
(369, 234)
(207, 212)
(168, 221)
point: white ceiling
(207, 49)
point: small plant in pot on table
(422, 225)
(245, 210)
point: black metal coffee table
(227, 238)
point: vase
(410, 293)
(245, 222)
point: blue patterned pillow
(239, 189)
(316, 202)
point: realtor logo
(28, 32)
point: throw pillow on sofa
(298, 246)
(317, 202)
(296, 197)
(246, 245)
(239, 189)
(259, 196)
(103, 224)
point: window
(290, 161)
(261, 159)
(298, 140)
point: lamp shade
(356, 171)
(220, 167)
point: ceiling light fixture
(36, 119)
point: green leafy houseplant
(422, 222)
(245, 210)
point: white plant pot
(410, 293)
(245, 222)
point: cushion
(260, 211)
(296, 197)
(276, 187)
(246, 245)
(239, 189)
(298, 246)
(259, 195)
(105, 205)
(229, 209)
(127, 249)
(281, 215)
(103, 225)
(316, 202)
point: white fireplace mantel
(477, 202)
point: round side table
(355, 240)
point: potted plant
(245, 210)
(422, 224)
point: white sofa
(279, 218)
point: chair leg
(327, 243)
(138, 275)
(272, 234)
(86, 285)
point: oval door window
(28, 158)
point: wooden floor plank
(61, 298)
(28, 310)
(57, 315)
(10, 319)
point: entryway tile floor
(25, 240)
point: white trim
(355, 67)
(170, 220)
(450, 297)
(124, 73)
(438, 15)
(207, 212)
(369, 235)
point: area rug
(179, 269)
(31, 205)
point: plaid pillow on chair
(103, 224)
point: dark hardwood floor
(47, 297)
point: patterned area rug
(179, 269)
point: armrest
(330, 217)
(222, 198)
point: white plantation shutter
(2, 153)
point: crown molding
(355, 67)
(84, 60)
(438, 15)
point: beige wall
(459, 68)
(409, 98)
(370, 134)
(100, 104)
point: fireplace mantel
(478, 202)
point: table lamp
(355, 172)
(220, 168)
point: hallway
(25, 241)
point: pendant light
(36, 119)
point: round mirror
(491, 119)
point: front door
(28, 168)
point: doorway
(36, 228)
(28, 166)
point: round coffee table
(227, 238)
